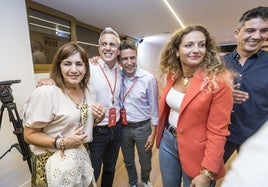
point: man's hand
(94, 60)
(150, 143)
(238, 95)
(150, 140)
(45, 81)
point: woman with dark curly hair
(194, 109)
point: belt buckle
(173, 131)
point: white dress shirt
(102, 89)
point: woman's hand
(75, 139)
(200, 181)
(37, 137)
(98, 112)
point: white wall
(148, 56)
(15, 63)
(148, 59)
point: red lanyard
(115, 79)
(131, 87)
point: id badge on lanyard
(123, 116)
(112, 111)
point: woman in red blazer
(194, 109)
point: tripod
(7, 100)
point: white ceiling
(143, 18)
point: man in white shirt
(106, 78)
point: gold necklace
(83, 113)
(186, 81)
(187, 78)
(70, 96)
(82, 107)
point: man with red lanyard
(106, 79)
(139, 114)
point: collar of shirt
(105, 66)
(236, 56)
(139, 73)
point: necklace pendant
(185, 81)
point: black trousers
(229, 149)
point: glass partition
(88, 39)
(50, 29)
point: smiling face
(192, 49)
(73, 70)
(108, 48)
(128, 60)
(251, 36)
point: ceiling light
(174, 13)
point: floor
(121, 178)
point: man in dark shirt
(264, 46)
(250, 92)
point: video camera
(6, 91)
(7, 100)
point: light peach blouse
(49, 108)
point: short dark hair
(258, 12)
(127, 44)
(62, 53)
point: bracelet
(207, 173)
(62, 147)
(55, 142)
(96, 121)
(58, 142)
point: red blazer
(202, 126)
